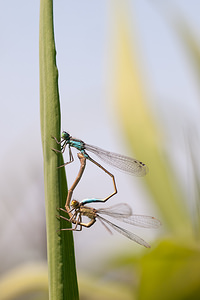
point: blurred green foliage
(171, 269)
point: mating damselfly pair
(122, 212)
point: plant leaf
(60, 247)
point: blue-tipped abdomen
(86, 201)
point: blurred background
(129, 83)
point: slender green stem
(60, 247)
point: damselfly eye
(65, 135)
(74, 203)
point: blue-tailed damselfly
(121, 212)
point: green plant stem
(60, 246)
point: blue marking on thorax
(79, 145)
(86, 201)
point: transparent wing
(123, 212)
(124, 163)
(142, 221)
(126, 233)
(118, 211)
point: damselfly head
(65, 135)
(74, 204)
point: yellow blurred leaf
(143, 133)
(171, 271)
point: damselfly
(121, 212)
(124, 163)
